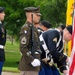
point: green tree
(51, 10)
(54, 11)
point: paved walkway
(10, 73)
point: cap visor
(38, 14)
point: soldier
(28, 64)
(53, 48)
(2, 39)
(45, 68)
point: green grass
(12, 54)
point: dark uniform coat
(45, 68)
(2, 42)
(51, 38)
(25, 47)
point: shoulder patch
(25, 28)
(55, 39)
(23, 40)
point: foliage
(52, 10)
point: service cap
(46, 24)
(69, 28)
(2, 9)
(33, 9)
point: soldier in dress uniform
(53, 48)
(45, 68)
(2, 39)
(28, 64)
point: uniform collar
(40, 29)
(0, 22)
(28, 23)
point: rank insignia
(23, 40)
(55, 39)
(25, 28)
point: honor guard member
(46, 69)
(28, 64)
(2, 39)
(53, 48)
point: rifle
(34, 44)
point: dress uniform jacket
(45, 68)
(51, 38)
(25, 47)
(2, 42)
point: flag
(69, 12)
(69, 16)
(72, 58)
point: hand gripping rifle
(34, 43)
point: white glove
(35, 63)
